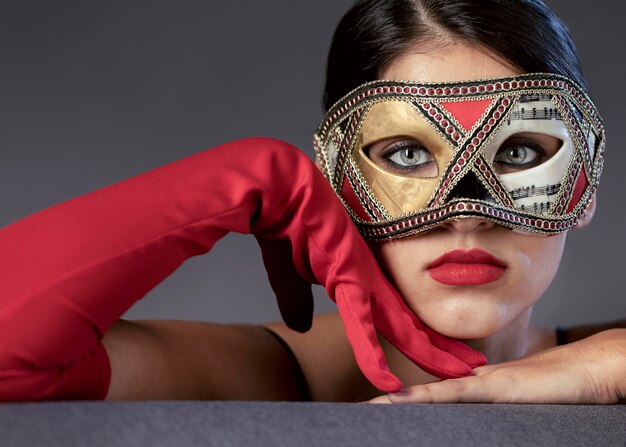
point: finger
(398, 328)
(295, 303)
(467, 389)
(456, 348)
(507, 385)
(380, 400)
(293, 293)
(354, 307)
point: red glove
(67, 273)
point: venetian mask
(525, 152)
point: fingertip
(299, 323)
(457, 348)
(408, 395)
(403, 392)
(379, 400)
(467, 355)
(476, 359)
(385, 382)
(443, 365)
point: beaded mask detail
(455, 150)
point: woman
(150, 357)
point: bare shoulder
(329, 366)
(326, 359)
(197, 360)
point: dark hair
(525, 33)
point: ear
(588, 214)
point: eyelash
(400, 146)
(396, 146)
(530, 144)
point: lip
(466, 268)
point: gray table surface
(308, 424)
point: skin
(494, 316)
(193, 360)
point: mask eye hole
(524, 151)
(404, 156)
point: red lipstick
(466, 268)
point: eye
(407, 157)
(518, 154)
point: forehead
(452, 62)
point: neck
(508, 343)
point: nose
(467, 224)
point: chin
(469, 332)
(462, 323)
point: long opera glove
(68, 272)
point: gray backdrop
(92, 92)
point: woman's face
(467, 278)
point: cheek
(400, 260)
(538, 259)
(404, 262)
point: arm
(588, 371)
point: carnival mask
(525, 152)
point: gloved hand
(68, 272)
